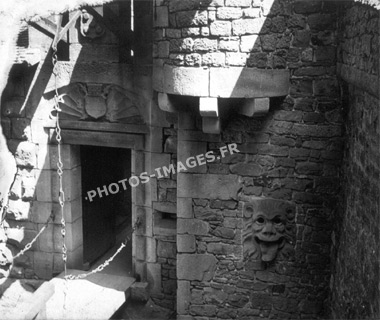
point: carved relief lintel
(101, 102)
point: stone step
(96, 297)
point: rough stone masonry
(285, 229)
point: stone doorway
(107, 216)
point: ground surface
(143, 311)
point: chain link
(29, 245)
(58, 99)
(108, 261)
(61, 197)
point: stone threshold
(98, 296)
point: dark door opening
(107, 218)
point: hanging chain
(61, 197)
(108, 261)
(29, 245)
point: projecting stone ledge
(209, 84)
(232, 82)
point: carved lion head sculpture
(268, 228)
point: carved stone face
(267, 226)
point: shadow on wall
(293, 153)
(99, 56)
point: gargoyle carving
(107, 102)
(268, 229)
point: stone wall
(355, 273)
(292, 154)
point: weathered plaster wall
(355, 275)
(292, 154)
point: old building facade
(276, 218)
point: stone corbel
(254, 86)
(254, 107)
(209, 110)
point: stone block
(220, 28)
(199, 267)
(71, 181)
(186, 243)
(186, 80)
(26, 155)
(193, 59)
(70, 156)
(192, 227)
(247, 26)
(18, 210)
(139, 249)
(249, 43)
(43, 265)
(229, 44)
(139, 292)
(163, 49)
(43, 187)
(185, 208)
(192, 149)
(151, 247)
(183, 297)
(167, 207)
(154, 144)
(189, 32)
(75, 258)
(72, 211)
(172, 33)
(326, 87)
(227, 250)
(205, 31)
(203, 310)
(166, 249)
(157, 161)
(301, 38)
(154, 277)
(257, 60)
(214, 59)
(251, 13)
(205, 45)
(192, 18)
(238, 3)
(226, 13)
(203, 186)
(236, 59)
(307, 7)
(161, 19)
(248, 82)
(181, 45)
(73, 238)
(246, 169)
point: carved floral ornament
(268, 231)
(99, 102)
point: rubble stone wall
(292, 154)
(355, 273)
